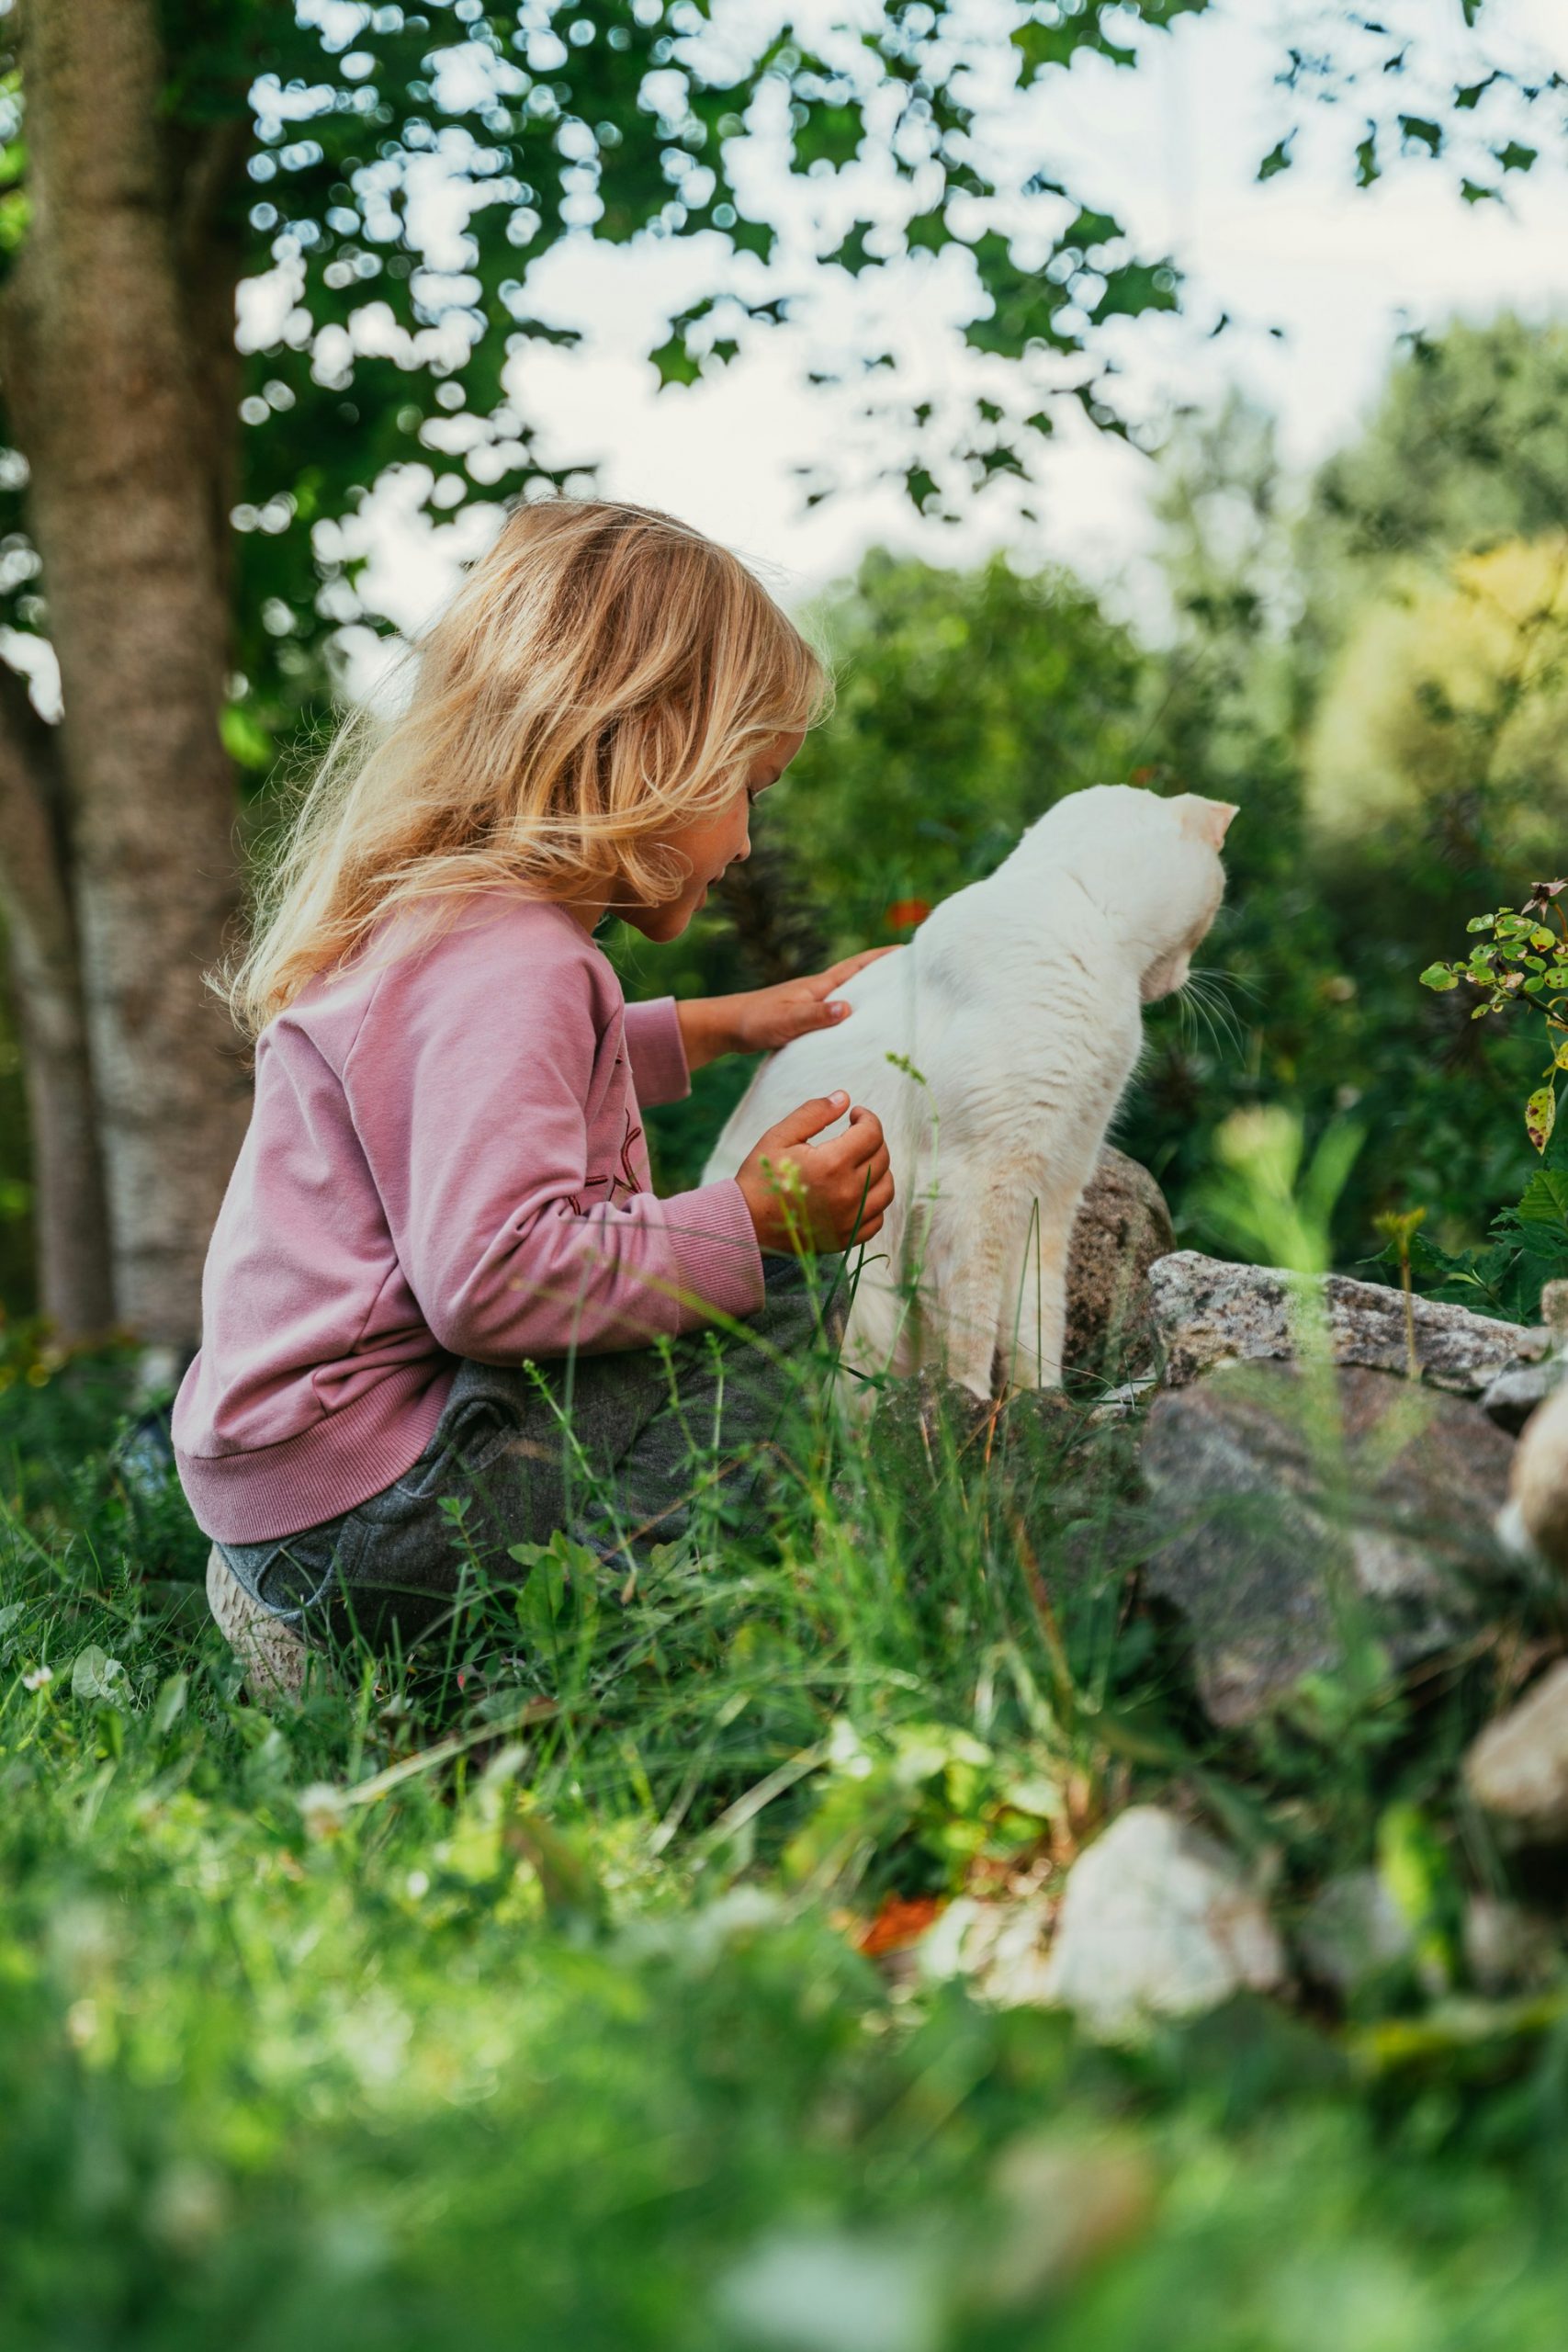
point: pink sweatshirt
(445, 1159)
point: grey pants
(622, 1452)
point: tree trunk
(70, 1224)
(107, 408)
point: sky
(1172, 147)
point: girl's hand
(763, 1019)
(804, 1196)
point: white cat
(1016, 1013)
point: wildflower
(903, 914)
(38, 1678)
(321, 1807)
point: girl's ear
(1209, 820)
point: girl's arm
(761, 1020)
(468, 1083)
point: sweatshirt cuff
(718, 1262)
(655, 1050)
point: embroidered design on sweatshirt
(622, 1184)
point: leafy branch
(1526, 956)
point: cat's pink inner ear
(1212, 818)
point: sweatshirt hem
(264, 1494)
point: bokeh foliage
(967, 704)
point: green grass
(531, 2012)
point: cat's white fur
(1018, 1004)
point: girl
(438, 1273)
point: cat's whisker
(1224, 1017)
(1224, 1027)
(1203, 999)
(1203, 1019)
(1210, 988)
(1220, 976)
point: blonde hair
(604, 675)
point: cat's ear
(1209, 820)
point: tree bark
(70, 1222)
(107, 401)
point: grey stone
(1300, 1512)
(999, 1948)
(1508, 1948)
(1155, 1921)
(1123, 1226)
(1535, 1523)
(1208, 1312)
(1353, 1931)
(1512, 1395)
(1518, 1768)
(920, 1422)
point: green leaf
(1277, 159)
(539, 1603)
(675, 363)
(16, 215)
(1541, 1115)
(1440, 976)
(851, 254)
(1544, 1201)
(171, 1702)
(247, 745)
(99, 1679)
(831, 134)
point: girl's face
(712, 844)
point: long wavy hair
(604, 676)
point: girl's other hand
(804, 1196)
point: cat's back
(1014, 927)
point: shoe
(272, 1654)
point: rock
(1123, 1226)
(1511, 1398)
(1505, 1948)
(1064, 2204)
(1208, 1312)
(1353, 1932)
(998, 1948)
(1517, 1769)
(1284, 1503)
(1043, 1420)
(1155, 1921)
(1535, 1523)
(920, 1422)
